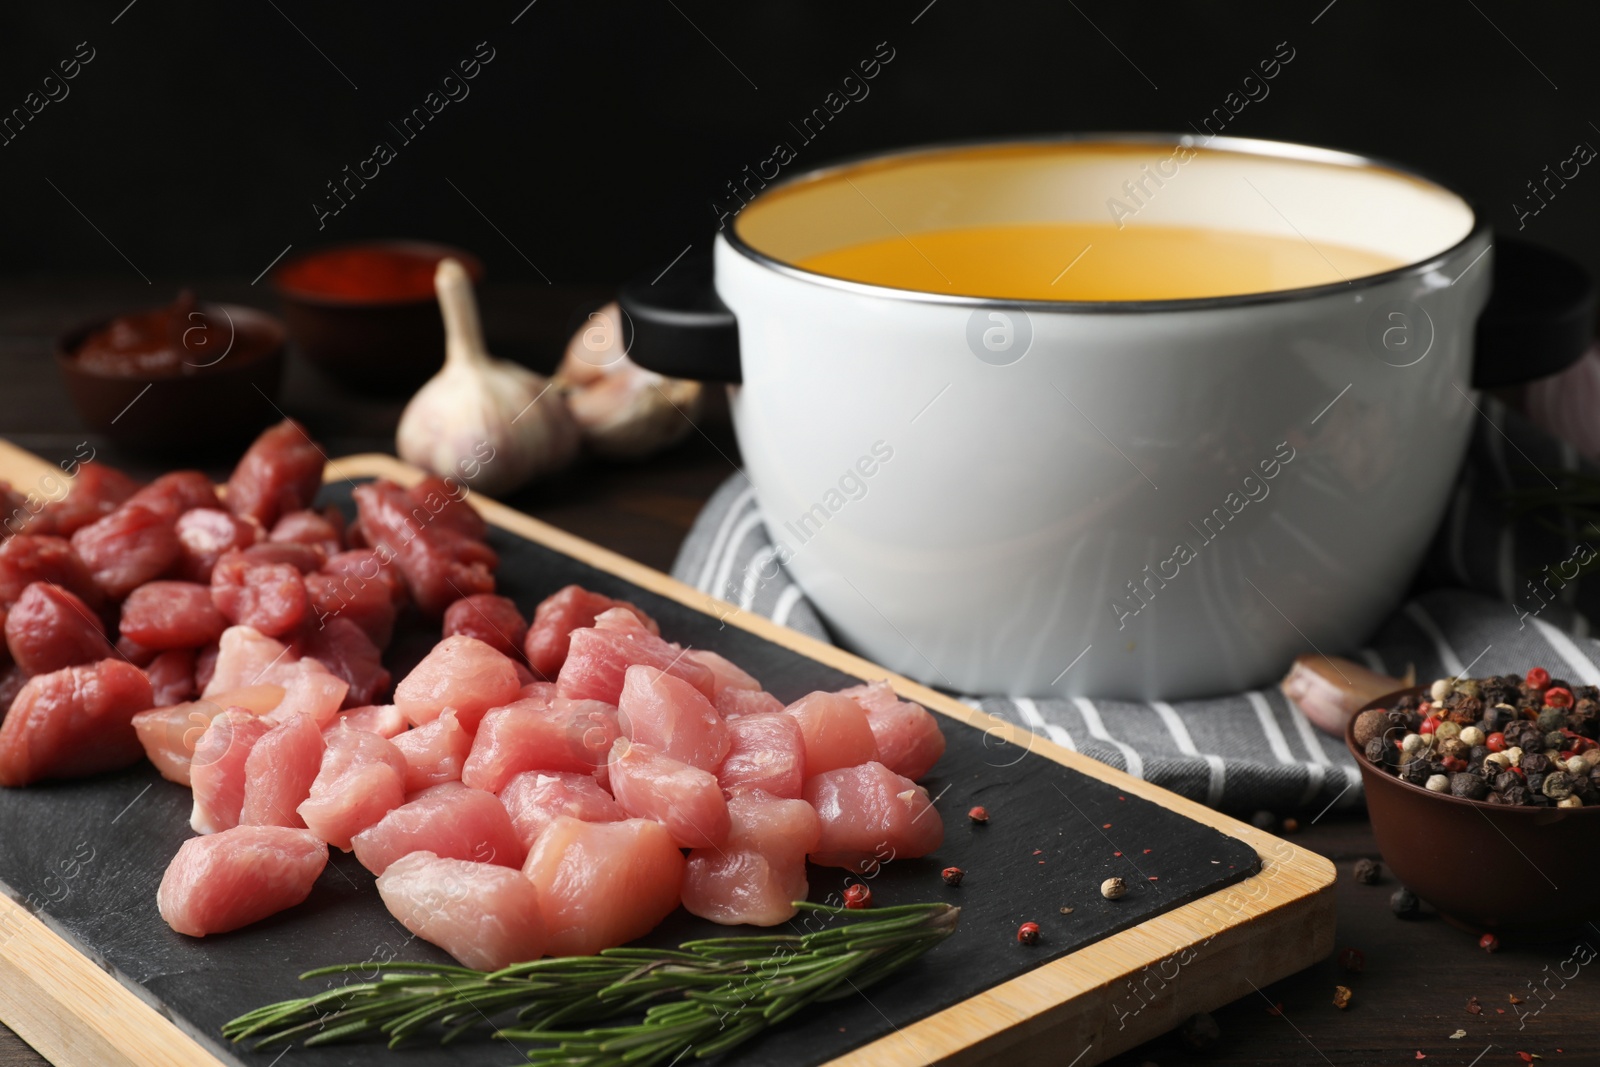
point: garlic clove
(1329, 689)
(623, 410)
(490, 422)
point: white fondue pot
(1138, 499)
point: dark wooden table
(1412, 995)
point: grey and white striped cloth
(1473, 608)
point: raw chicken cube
(766, 752)
(239, 876)
(448, 820)
(217, 772)
(280, 472)
(537, 734)
(599, 656)
(361, 780)
(49, 628)
(73, 722)
(258, 699)
(494, 620)
(384, 720)
(871, 815)
(535, 799)
(462, 673)
(735, 703)
(279, 771)
(309, 688)
(205, 535)
(756, 877)
(836, 731)
(602, 884)
(434, 753)
(686, 800)
(268, 597)
(244, 657)
(725, 674)
(484, 915)
(668, 713)
(908, 736)
(127, 548)
(164, 615)
(170, 734)
(564, 611)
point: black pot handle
(674, 324)
(1539, 319)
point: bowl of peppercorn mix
(1484, 796)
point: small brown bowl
(387, 347)
(1532, 873)
(193, 414)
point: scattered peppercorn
(952, 875)
(1028, 933)
(1290, 825)
(1513, 998)
(1489, 943)
(1496, 742)
(1353, 960)
(1367, 871)
(979, 814)
(1537, 678)
(1473, 1007)
(1113, 888)
(1404, 903)
(1066, 911)
(858, 895)
(1341, 997)
(1265, 820)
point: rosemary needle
(706, 997)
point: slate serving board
(86, 858)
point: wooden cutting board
(89, 974)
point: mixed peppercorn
(1504, 740)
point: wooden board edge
(1292, 895)
(75, 1013)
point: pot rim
(1367, 770)
(1289, 150)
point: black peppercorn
(1582, 787)
(1382, 752)
(1468, 785)
(1367, 871)
(1535, 782)
(1406, 702)
(1404, 903)
(1416, 772)
(1507, 780)
(1477, 754)
(1557, 785)
(1555, 739)
(1534, 762)
(1264, 820)
(1552, 719)
(1517, 794)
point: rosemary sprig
(706, 997)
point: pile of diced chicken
(530, 790)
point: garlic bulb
(1329, 689)
(623, 410)
(490, 422)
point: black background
(200, 134)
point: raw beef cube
(725, 674)
(369, 566)
(908, 737)
(313, 528)
(303, 558)
(384, 720)
(568, 609)
(440, 564)
(462, 673)
(484, 915)
(734, 703)
(448, 820)
(163, 615)
(367, 604)
(26, 558)
(669, 714)
(171, 677)
(49, 628)
(346, 650)
(239, 876)
(176, 492)
(871, 815)
(765, 752)
(684, 799)
(280, 472)
(97, 490)
(602, 884)
(761, 871)
(836, 731)
(434, 753)
(361, 779)
(600, 655)
(73, 722)
(170, 734)
(279, 771)
(127, 548)
(205, 535)
(535, 735)
(535, 799)
(268, 597)
(217, 772)
(494, 620)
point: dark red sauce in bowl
(379, 272)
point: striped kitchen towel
(1495, 595)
